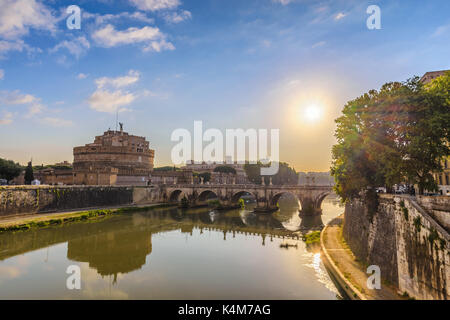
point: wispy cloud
(2, 74)
(110, 102)
(152, 38)
(119, 82)
(6, 118)
(154, 5)
(109, 97)
(177, 17)
(441, 30)
(283, 2)
(16, 97)
(18, 16)
(321, 9)
(76, 47)
(16, 45)
(82, 76)
(318, 44)
(340, 16)
(34, 109)
(56, 122)
(104, 18)
(266, 43)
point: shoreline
(349, 273)
(345, 285)
(31, 221)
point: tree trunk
(420, 189)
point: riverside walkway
(345, 268)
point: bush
(312, 237)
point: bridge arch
(176, 195)
(320, 198)
(274, 200)
(207, 194)
(236, 196)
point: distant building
(443, 178)
(114, 158)
(216, 177)
(228, 178)
(171, 177)
(55, 176)
(315, 178)
(430, 76)
(63, 164)
(19, 180)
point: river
(171, 254)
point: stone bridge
(310, 197)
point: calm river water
(171, 254)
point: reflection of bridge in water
(121, 244)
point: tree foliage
(225, 169)
(285, 175)
(9, 170)
(397, 134)
(205, 175)
(29, 176)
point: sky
(163, 64)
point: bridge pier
(310, 207)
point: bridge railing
(245, 186)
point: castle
(114, 158)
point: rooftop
(431, 75)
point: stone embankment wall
(39, 199)
(438, 208)
(409, 245)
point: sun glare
(312, 113)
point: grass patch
(312, 237)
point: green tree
(205, 175)
(9, 170)
(225, 169)
(29, 176)
(397, 134)
(285, 174)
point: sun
(312, 113)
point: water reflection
(120, 244)
(125, 245)
(116, 250)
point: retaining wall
(39, 199)
(405, 241)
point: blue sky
(231, 64)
